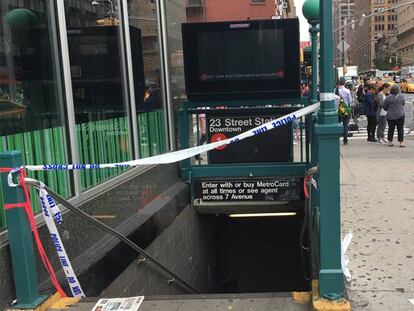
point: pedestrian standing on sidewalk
(345, 95)
(360, 94)
(394, 105)
(383, 92)
(370, 110)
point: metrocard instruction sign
(246, 190)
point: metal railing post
(20, 239)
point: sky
(304, 26)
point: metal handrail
(114, 232)
(307, 221)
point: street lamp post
(310, 10)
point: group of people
(381, 105)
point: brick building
(219, 10)
(373, 30)
(343, 14)
(405, 34)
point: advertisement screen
(263, 59)
(242, 60)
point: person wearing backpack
(344, 107)
(370, 110)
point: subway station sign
(248, 190)
(272, 146)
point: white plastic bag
(344, 258)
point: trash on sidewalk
(345, 259)
(119, 304)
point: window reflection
(29, 98)
(148, 100)
(177, 11)
(32, 114)
(98, 84)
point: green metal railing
(99, 142)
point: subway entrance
(260, 254)
(252, 186)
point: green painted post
(314, 30)
(310, 11)
(20, 240)
(331, 282)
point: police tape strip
(51, 214)
(183, 154)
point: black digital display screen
(228, 63)
(239, 60)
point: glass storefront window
(32, 114)
(145, 51)
(98, 83)
(176, 14)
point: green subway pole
(20, 239)
(314, 30)
(310, 11)
(327, 131)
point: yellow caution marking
(322, 304)
(64, 303)
(301, 297)
(328, 305)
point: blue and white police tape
(51, 214)
(183, 154)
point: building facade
(95, 81)
(405, 34)
(100, 81)
(343, 14)
(371, 33)
(233, 10)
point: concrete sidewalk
(377, 189)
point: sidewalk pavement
(377, 196)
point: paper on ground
(119, 304)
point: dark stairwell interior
(217, 255)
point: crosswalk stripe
(363, 133)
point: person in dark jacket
(360, 94)
(394, 105)
(370, 110)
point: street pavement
(377, 198)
